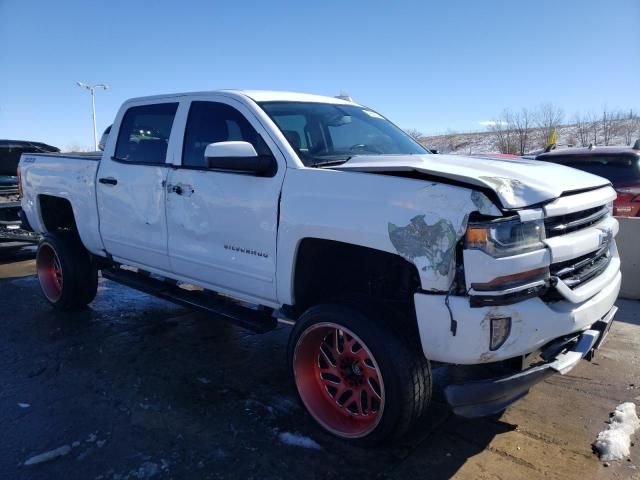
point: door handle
(108, 181)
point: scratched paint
(429, 240)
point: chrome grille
(572, 222)
(580, 270)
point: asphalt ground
(135, 387)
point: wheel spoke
(331, 379)
(373, 388)
(330, 362)
(338, 336)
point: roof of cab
(256, 95)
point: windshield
(619, 170)
(327, 134)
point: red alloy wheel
(49, 273)
(339, 380)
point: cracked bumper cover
(486, 397)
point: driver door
(223, 224)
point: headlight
(501, 238)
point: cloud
(491, 123)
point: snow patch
(614, 443)
(297, 440)
(24, 405)
(50, 455)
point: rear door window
(144, 133)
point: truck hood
(517, 183)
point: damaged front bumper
(489, 396)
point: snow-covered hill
(568, 135)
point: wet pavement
(135, 387)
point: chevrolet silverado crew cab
(386, 259)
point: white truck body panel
(518, 183)
(240, 234)
(535, 323)
(71, 177)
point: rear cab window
(144, 134)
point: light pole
(91, 89)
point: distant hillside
(568, 135)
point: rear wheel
(67, 274)
(359, 378)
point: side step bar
(234, 312)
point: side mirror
(239, 157)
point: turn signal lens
(476, 235)
(500, 330)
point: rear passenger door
(223, 224)
(131, 184)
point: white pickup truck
(386, 259)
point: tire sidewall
(71, 255)
(380, 342)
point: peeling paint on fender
(435, 243)
(429, 240)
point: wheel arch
(56, 213)
(324, 270)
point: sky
(433, 65)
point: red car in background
(620, 165)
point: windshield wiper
(326, 163)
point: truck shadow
(160, 384)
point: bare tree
(451, 141)
(414, 133)
(521, 123)
(548, 119)
(594, 127)
(504, 133)
(629, 127)
(609, 123)
(583, 129)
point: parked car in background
(12, 235)
(619, 165)
(11, 150)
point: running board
(211, 302)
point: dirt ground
(138, 388)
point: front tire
(358, 377)
(67, 274)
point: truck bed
(67, 176)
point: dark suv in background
(12, 235)
(620, 165)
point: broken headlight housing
(505, 237)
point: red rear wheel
(339, 380)
(67, 274)
(49, 273)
